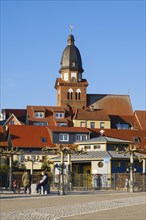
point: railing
(85, 182)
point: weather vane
(71, 27)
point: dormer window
(59, 115)
(74, 63)
(122, 126)
(43, 139)
(39, 114)
(136, 139)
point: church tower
(71, 87)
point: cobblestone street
(96, 206)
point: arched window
(69, 94)
(78, 94)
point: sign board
(106, 159)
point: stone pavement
(75, 206)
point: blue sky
(109, 34)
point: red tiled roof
(112, 104)
(3, 141)
(86, 114)
(49, 114)
(19, 113)
(27, 136)
(140, 119)
(68, 129)
(124, 135)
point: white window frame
(80, 137)
(39, 114)
(59, 115)
(64, 137)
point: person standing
(26, 181)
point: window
(39, 114)
(87, 147)
(92, 124)
(64, 137)
(81, 137)
(40, 123)
(63, 124)
(69, 94)
(74, 63)
(117, 163)
(96, 147)
(82, 124)
(43, 139)
(12, 122)
(66, 76)
(59, 115)
(101, 124)
(79, 77)
(77, 94)
(136, 139)
(122, 126)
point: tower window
(79, 77)
(69, 94)
(77, 94)
(74, 63)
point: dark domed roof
(71, 58)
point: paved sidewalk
(75, 206)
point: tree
(62, 150)
(46, 164)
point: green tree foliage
(46, 164)
(16, 166)
(4, 168)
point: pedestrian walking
(26, 181)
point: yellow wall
(107, 124)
